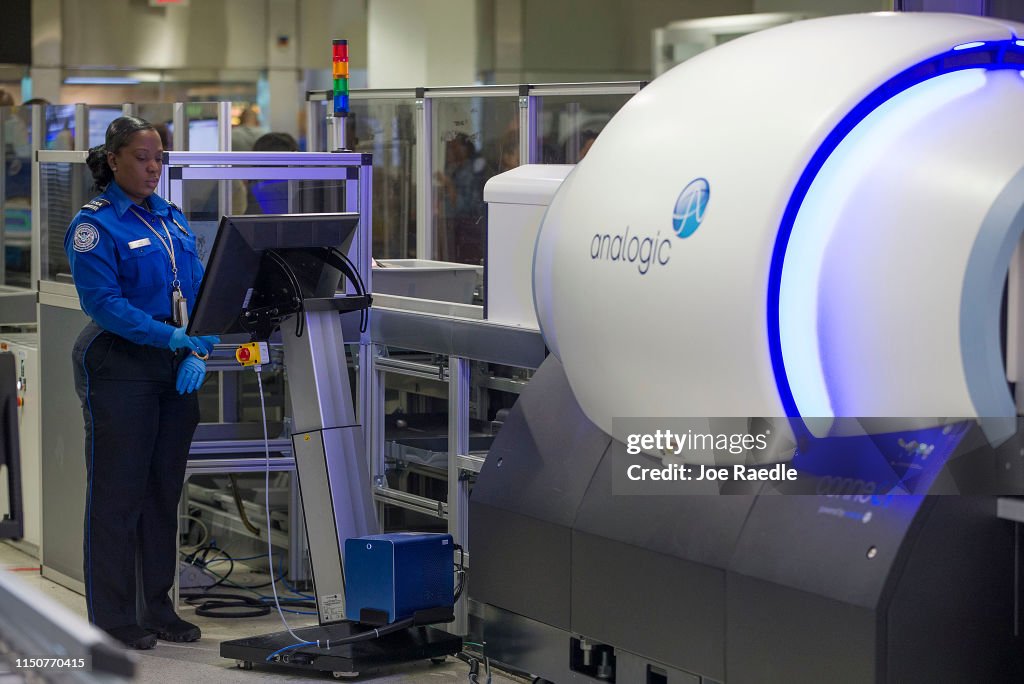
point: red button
(243, 354)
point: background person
(270, 196)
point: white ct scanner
(817, 221)
(812, 220)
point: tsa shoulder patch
(86, 237)
(96, 204)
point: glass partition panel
(60, 128)
(16, 123)
(567, 125)
(249, 124)
(469, 137)
(387, 129)
(253, 195)
(202, 126)
(64, 187)
(316, 140)
(161, 115)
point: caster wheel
(438, 661)
(344, 675)
(243, 664)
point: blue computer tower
(388, 577)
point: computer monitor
(203, 135)
(261, 268)
(100, 119)
(60, 127)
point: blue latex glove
(179, 340)
(191, 374)
(207, 341)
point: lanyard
(168, 245)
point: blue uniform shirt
(122, 271)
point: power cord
(352, 273)
(241, 507)
(270, 545)
(460, 571)
(474, 662)
(300, 318)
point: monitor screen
(246, 272)
(202, 135)
(60, 127)
(99, 120)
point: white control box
(516, 203)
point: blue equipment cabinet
(389, 577)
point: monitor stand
(337, 502)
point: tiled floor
(201, 661)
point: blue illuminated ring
(991, 55)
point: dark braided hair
(119, 132)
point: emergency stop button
(253, 353)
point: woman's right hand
(200, 345)
(191, 373)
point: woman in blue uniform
(137, 273)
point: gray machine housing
(734, 588)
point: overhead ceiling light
(100, 80)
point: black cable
(296, 289)
(241, 508)
(474, 667)
(461, 585)
(352, 273)
(226, 605)
(374, 633)
(349, 269)
(194, 559)
(460, 571)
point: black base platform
(408, 645)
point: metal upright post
(38, 134)
(313, 141)
(373, 423)
(81, 126)
(5, 112)
(224, 145)
(458, 489)
(424, 149)
(328, 446)
(180, 123)
(529, 109)
(362, 195)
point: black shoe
(133, 636)
(177, 630)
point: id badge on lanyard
(179, 303)
(179, 308)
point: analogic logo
(647, 251)
(690, 207)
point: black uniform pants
(137, 435)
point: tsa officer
(137, 272)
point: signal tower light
(340, 73)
